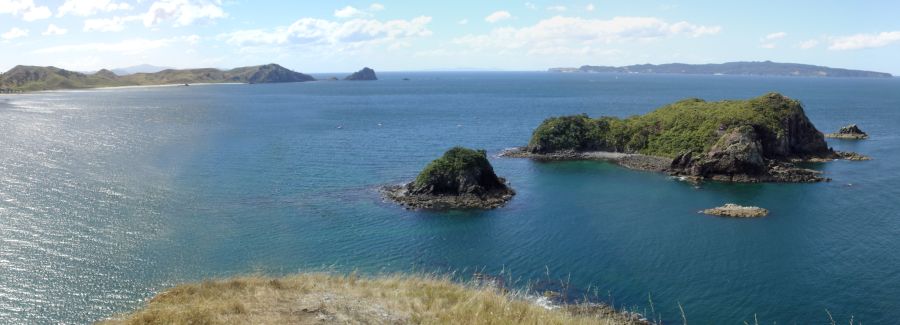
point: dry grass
(322, 298)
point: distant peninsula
(755, 140)
(34, 78)
(765, 68)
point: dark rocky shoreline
(491, 200)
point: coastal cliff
(33, 78)
(461, 178)
(755, 140)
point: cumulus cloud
(183, 12)
(808, 44)
(14, 33)
(25, 8)
(589, 7)
(86, 8)
(53, 30)
(498, 16)
(768, 45)
(572, 32)
(349, 12)
(864, 41)
(530, 5)
(334, 35)
(376, 7)
(126, 47)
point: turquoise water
(108, 196)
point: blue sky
(339, 36)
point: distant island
(765, 68)
(755, 140)
(34, 78)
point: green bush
(688, 125)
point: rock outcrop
(362, 75)
(851, 132)
(461, 179)
(755, 140)
(365, 74)
(736, 211)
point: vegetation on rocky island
(691, 125)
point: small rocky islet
(756, 140)
(366, 74)
(736, 211)
(849, 132)
(460, 179)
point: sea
(109, 196)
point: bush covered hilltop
(319, 298)
(461, 178)
(733, 140)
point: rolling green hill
(34, 78)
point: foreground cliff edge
(319, 298)
(755, 140)
(460, 179)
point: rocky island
(362, 75)
(461, 179)
(736, 211)
(755, 140)
(850, 132)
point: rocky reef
(755, 140)
(850, 132)
(736, 211)
(361, 75)
(460, 179)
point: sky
(388, 35)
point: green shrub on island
(460, 170)
(691, 125)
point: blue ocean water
(108, 196)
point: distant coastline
(764, 68)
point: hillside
(766, 68)
(33, 78)
(335, 299)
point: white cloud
(768, 45)
(14, 33)
(333, 35)
(25, 8)
(115, 24)
(127, 47)
(774, 36)
(497, 16)
(86, 8)
(530, 5)
(589, 7)
(376, 7)
(557, 8)
(559, 32)
(808, 44)
(54, 30)
(463, 22)
(349, 12)
(864, 41)
(183, 12)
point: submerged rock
(851, 132)
(737, 211)
(461, 179)
(364, 74)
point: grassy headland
(318, 298)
